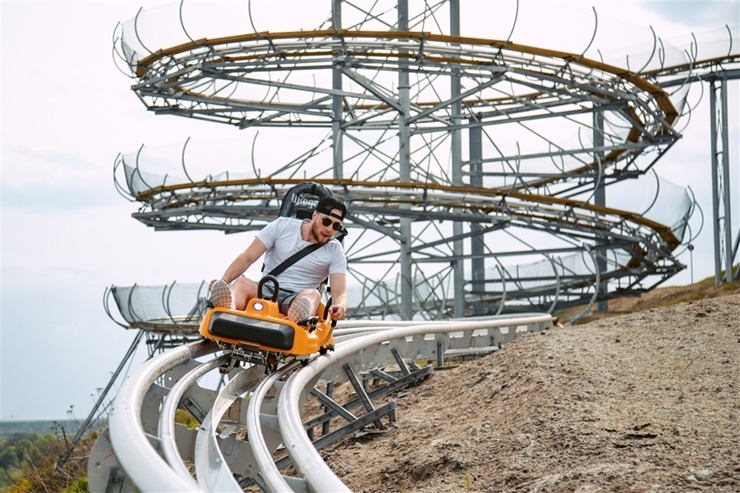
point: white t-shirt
(282, 238)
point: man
(298, 296)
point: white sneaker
(299, 310)
(220, 295)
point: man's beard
(317, 236)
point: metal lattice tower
(474, 169)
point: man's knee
(311, 294)
(244, 290)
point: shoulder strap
(294, 258)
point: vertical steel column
(726, 178)
(336, 126)
(404, 158)
(721, 213)
(456, 151)
(600, 197)
(715, 181)
(478, 263)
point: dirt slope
(642, 402)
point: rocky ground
(642, 402)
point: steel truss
(441, 145)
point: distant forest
(10, 428)
(28, 455)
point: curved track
(474, 168)
(251, 417)
(475, 171)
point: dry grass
(659, 297)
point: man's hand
(337, 312)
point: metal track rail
(240, 442)
(133, 448)
(482, 175)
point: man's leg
(304, 305)
(243, 290)
(220, 294)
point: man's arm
(339, 302)
(244, 260)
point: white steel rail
(305, 457)
(211, 465)
(138, 457)
(166, 427)
(154, 463)
(261, 426)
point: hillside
(660, 297)
(643, 398)
(642, 401)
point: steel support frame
(724, 252)
(562, 88)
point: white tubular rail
(305, 457)
(166, 427)
(272, 418)
(260, 417)
(142, 463)
(210, 464)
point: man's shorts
(284, 297)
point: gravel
(642, 402)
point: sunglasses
(328, 222)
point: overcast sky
(67, 111)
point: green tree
(28, 464)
